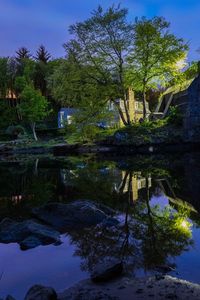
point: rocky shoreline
(125, 288)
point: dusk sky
(33, 22)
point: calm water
(156, 198)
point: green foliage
(20, 84)
(4, 79)
(156, 54)
(33, 106)
(8, 114)
(96, 59)
(175, 117)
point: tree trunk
(144, 104)
(33, 130)
(120, 113)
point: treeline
(106, 55)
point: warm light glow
(180, 64)
(184, 224)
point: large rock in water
(39, 292)
(107, 270)
(28, 234)
(78, 214)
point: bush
(15, 131)
(175, 116)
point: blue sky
(33, 22)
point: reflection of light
(183, 225)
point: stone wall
(192, 116)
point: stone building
(187, 98)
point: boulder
(78, 214)
(165, 268)
(107, 270)
(39, 292)
(9, 297)
(28, 234)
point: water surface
(156, 198)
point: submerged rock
(28, 234)
(78, 214)
(9, 297)
(39, 292)
(107, 270)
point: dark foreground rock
(28, 234)
(78, 214)
(134, 288)
(9, 297)
(107, 270)
(39, 292)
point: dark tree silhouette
(22, 53)
(42, 55)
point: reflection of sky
(47, 265)
(32, 22)
(160, 200)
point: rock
(110, 222)
(39, 292)
(28, 233)
(107, 270)
(9, 298)
(165, 268)
(30, 242)
(78, 214)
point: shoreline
(76, 149)
(153, 287)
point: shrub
(15, 131)
(175, 116)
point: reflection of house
(167, 189)
(134, 106)
(133, 183)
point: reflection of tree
(24, 185)
(147, 237)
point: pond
(156, 200)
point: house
(135, 108)
(65, 116)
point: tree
(101, 44)
(22, 53)
(157, 55)
(33, 107)
(4, 79)
(42, 58)
(42, 55)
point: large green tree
(156, 57)
(101, 44)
